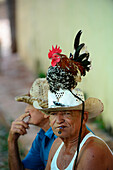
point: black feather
(86, 63)
(71, 55)
(82, 57)
(77, 38)
(78, 50)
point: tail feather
(82, 57)
(82, 60)
(77, 39)
(78, 51)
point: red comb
(53, 51)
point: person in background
(37, 156)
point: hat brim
(24, 98)
(92, 105)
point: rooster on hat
(66, 72)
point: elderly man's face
(68, 121)
(36, 116)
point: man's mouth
(61, 127)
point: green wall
(43, 23)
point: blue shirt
(37, 157)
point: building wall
(43, 23)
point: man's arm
(13, 156)
(18, 128)
(95, 155)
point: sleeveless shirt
(70, 166)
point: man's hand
(18, 127)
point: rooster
(66, 72)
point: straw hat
(42, 98)
(65, 100)
(38, 92)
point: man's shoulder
(53, 149)
(97, 145)
(55, 146)
(95, 153)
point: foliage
(4, 148)
(42, 75)
(101, 125)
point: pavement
(16, 79)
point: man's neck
(45, 125)
(71, 143)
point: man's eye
(67, 113)
(53, 113)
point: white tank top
(70, 166)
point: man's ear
(46, 116)
(85, 117)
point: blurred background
(28, 29)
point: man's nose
(60, 118)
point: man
(93, 151)
(75, 148)
(38, 155)
(66, 123)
